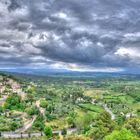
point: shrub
(48, 131)
(32, 110)
(14, 102)
(43, 103)
(123, 134)
(39, 123)
(71, 121)
(13, 126)
(64, 131)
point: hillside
(58, 106)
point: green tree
(123, 134)
(120, 119)
(72, 94)
(83, 122)
(13, 126)
(48, 131)
(14, 102)
(30, 94)
(98, 133)
(39, 123)
(30, 97)
(103, 125)
(71, 121)
(1, 109)
(32, 110)
(43, 103)
(134, 126)
(64, 131)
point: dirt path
(3, 99)
(27, 125)
(42, 110)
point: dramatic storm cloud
(95, 35)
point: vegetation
(44, 103)
(123, 134)
(48, 131)
(98, 108)
(13, 102)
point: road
(109, 111)
(106, 108)
(19, 135)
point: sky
(77, 35)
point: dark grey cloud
(74, 34)
(13, 5)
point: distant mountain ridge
(63, 72)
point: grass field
(91, 107)
(95, 93)
(58, 124)
(135, 106)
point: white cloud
(132, 53)
(132, 36)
